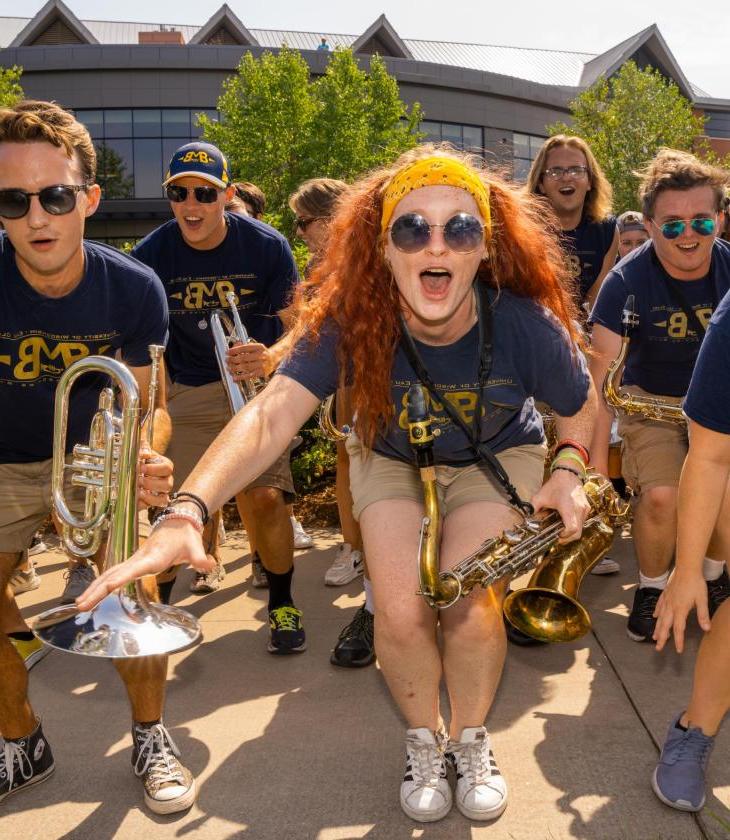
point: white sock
(294, 522)
(712, 569)
(653, 583)
(369, 605)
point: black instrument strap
(485, 322)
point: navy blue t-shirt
(118, 305)
(663, 348)
(586, 247)
(708, 397)
(532, 359)
(254, 262)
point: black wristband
(183, 496)
(568, 469)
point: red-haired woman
(434, 248)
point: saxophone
(653, 408)
(548, 608)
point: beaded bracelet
(566, 443)
(171, 513)
(568, 469)
(565, 455)
(183, 495)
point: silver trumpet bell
(126, 623)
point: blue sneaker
(679, 779)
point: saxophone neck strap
(485, 316)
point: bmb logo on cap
(199, 160)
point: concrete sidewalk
(291, 747)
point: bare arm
(702, 487)
(563, 491)
(249, 444)
(608, 263)
(604, 349)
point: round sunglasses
(58, 200)
(675, 228)
(203, 195)
(463, 233)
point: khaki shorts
(25, 502)
(199, 414)
(375, 478)
(652, 452)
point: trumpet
(227, 332)
(653, 408)
(556, 615)
(126, 623)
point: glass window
(521, 146)
(521, 169)
(115, 170)
(176, 122)
(94, 122)
(525, 148)
(432, 130)
(148, 168)
(451, 133)
(473, 140)
(147, 122)
(169, 147)
(536, 143)
(117, 123)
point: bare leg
(11, 620)
(473, 629)
(247, 520)
(17, 718)
(655, 530)
(711, 690)
(265, 508)
(405, 629)
(348, 524)
(145, 677)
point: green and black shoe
(287, 633)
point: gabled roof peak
(380, 37)
(226, 27)
(57, 21)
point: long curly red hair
(353, 286)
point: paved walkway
(294, 748)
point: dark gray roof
(561, 68)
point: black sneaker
(24, 762)
(287, 633)
(355, 647)
(718, 591)
(641, 622)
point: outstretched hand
(174, 542)
(685, 592)
(564, 492)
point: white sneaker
(481, 791)
(25, 580)
(606, 566)
(301, 537)
(425, 794)
(347, 566)
(204, 582)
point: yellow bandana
(436, 172)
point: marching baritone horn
(126, 623)
(547, 609)
(652, 408)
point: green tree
(112, 173)
(10, 89)
(626, 119)
(279, 127)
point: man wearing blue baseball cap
(201, 256)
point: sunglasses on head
(56, 200)
(203, 195)
(675, 228)
(463, 233)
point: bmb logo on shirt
(465, 402)
(676, 324)
(38, 356)
(201, 295)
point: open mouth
(41, 244)
(689, 248)
(566, 190)
(193, 222)
(435, 281)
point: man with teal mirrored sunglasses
(677, 279)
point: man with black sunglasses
(677, 279)
(63, 298)
(202, 255)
